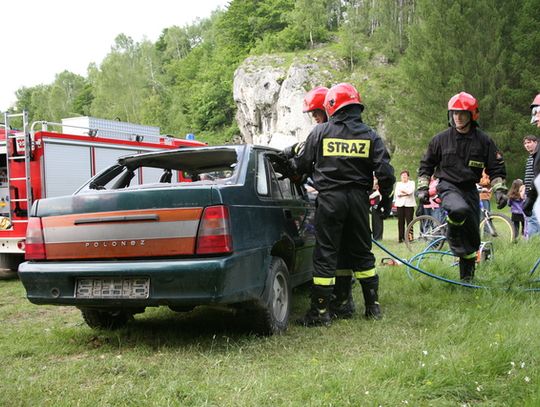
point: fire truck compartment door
(66, 168)
(105, 157)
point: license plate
(129, 288)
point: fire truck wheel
(9, 262)
(106, 318)
(7, 274)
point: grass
(438, 345)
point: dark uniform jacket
(533, 193)
(345, 152)
(460, 158)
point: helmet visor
(465, 118)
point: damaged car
(185, 228)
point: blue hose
(435, 276)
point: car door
(297, 215)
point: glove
(528, 207)
(422, 194)
(385, 205)
(501, 198)
(281, 165)
(500, 190)
(290, 152)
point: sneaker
(315, 317)
(373, 312)
(342, 310)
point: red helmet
(341, 95)
(464, 101)
(314, 99)
(536, 101)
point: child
(515, 202)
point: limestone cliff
(268, 91)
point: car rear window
(190, 166)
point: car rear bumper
(235, 278)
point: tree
(121, 83)
(63, 94)
(247, 22)
(308, 19)
(448, 54)
(352, 33)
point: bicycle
(426, 230)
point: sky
(42, 38)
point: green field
(438, 345)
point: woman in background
(405, 203)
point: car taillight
(35, 244)
(214, 231)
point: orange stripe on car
(122, 234)
(121, 248)
(164, 215)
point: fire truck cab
(47, 159)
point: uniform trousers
(342, 232)
(462, 205)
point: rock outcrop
(269, 91)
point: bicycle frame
(489, 224)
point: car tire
(275, 305)
(106, 319)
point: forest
(431, 50)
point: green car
(183, 228)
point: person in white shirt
(405, 203)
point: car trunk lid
(74, 229)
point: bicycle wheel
(497, 229)
(423, 231)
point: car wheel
(275, 304)
(106, 319)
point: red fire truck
(44, 163)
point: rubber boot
(370, 290)
(319, 312)
(342, 305)
(466, 269)
(454, 236)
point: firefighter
(313, 103)
(533, 192)
(342, 303)
(457, 156)
(341, 156)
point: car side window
(262, 178)
(271, 182)
(287, 190)
(274, 183)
